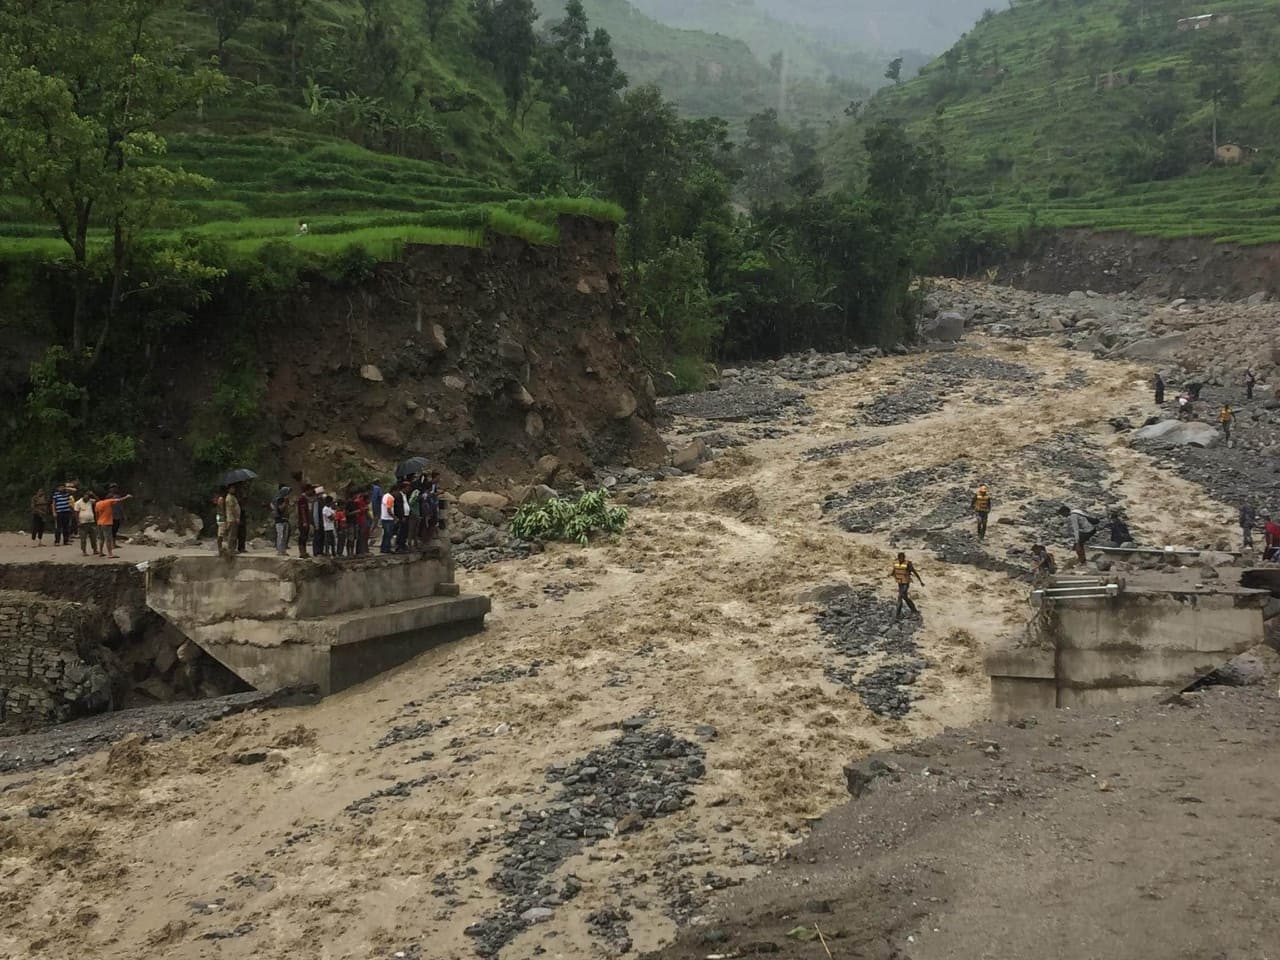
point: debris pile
(643, 775)
(859, 626)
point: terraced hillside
(1105, 115)
(265, 185)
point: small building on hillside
(1110, 80)
(1229, 153)
(1204, 20)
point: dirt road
(375, 823)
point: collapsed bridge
(1094, 641)
(280, 622)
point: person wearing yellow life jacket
(903, 571)
(981, 506)
(1226, 417)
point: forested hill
(1103, 114)
(710, 70)
(798, 51)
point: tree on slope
(83, 86)
(228, 17)
(507, 40)
(291, 15)
(1217, 61)
(581, 78)
(434, 12)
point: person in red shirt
(1271, 542)
(362, 523)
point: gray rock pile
(643, 775)
(808, 366)
(757, 401)
(894, 502)
(879, 658)
(917, 399)
(833, 450)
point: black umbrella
(411, 466)
(237, 476)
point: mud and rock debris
(643, 775)
(833, 450)
(402, 733)
(892, 502)
(953, 370)
(902, 406)
(745, 402)
(860, 627)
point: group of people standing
(408, 513)
(1080, 529)
(1191, 396)
(91, 518)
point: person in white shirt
(388, 516)
(88, 523)
(327, 517)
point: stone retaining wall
(108, 585)
(49, 652)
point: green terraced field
(1036, 134)
(265, 185)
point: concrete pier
(280, 621)
(1152, 636)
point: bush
(570, 520)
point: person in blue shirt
(62, 507)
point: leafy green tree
(764, 156)
(778, 162)
(382, 57)
(84, 84)
(1216, 59)
(642, 141)
(894, 70)
(582, 76)
(679, 314)
(507, 40)
(434, 11)
(291, 15)
(228, 17)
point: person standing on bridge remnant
(1248, 518)
(387, 517)
(280, 514)
(903, 571)
(1159, 390)
(982, 508)
(104, 510)
(1250, 381)
(1226, 417)
(231, 515)
(62, 507)
(88, 524)
(304, 518)
(1080, 527)
(39, 510)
